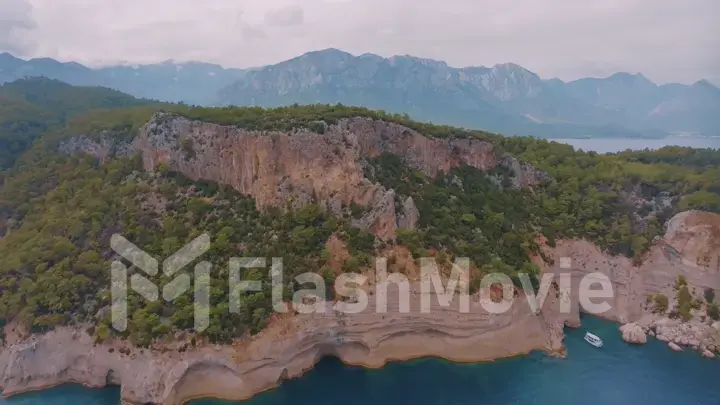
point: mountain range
(505, 98)
(192, 82)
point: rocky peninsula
(294, 343)
(648, 298)
(288, 348)
(289, 170)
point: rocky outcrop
(103, 146)
(633, 333)
(294, 343)
(691, 242)
(291, 169)
(381, 219)
(524, 173)
(696, 235)
(286, 349)
(676, 254)
(695, 334)
(409, 215)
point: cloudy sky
(667, 40)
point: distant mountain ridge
(505, 98)
(189, 82)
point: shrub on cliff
(713, 311)
(709, 294)
(680, 282)
(684, 301)
(661, 303)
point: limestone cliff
(690, 247)
(294, 343)
(293, 169)
(288, 348)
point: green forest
(57, 212)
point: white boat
(593, 339)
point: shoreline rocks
(686, 252)
(294, 344)
(288, 348)
(697, 335)
(633, 333)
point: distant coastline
(669, 136)
(611, 145)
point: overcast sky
(667, 40)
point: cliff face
(281, 169)
(294, 343)
(293, 169)
(288, 348)
(690, 247)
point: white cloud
(16, 25)
(286, 16)
(667, 40)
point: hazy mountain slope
(192, 82)
(20, 124)
(477, 97)
(505, 98)
(622, 94)
(689, 108)
(402, 84)
(29, 107)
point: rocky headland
(292, 169)
(294, 343)
(688, 254)
(289, 170)
(289, 347)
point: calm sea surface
(618, 374)
(618, 145)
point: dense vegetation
(58, 212)
(32, 106)
(58, 256)
(465, 213)
(676, 155)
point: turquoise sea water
(617, 374)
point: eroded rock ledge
(294, 343)
(288, 348)
(689, 249)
